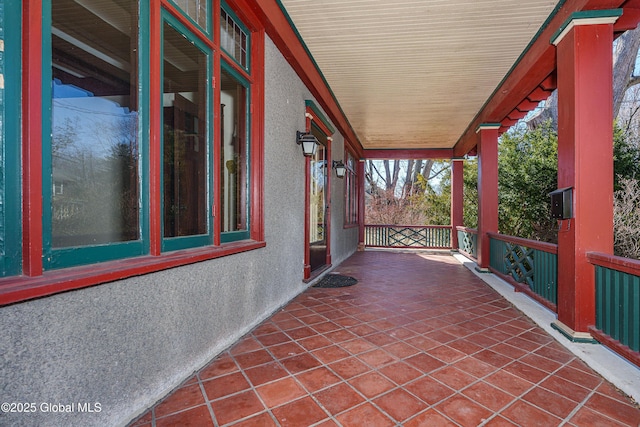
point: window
(196, 10)
(10, 235)
(235, 100)
(126, 151)
(234, 38)
(318, 190)
(185, 111)
(234, 103)
(351, 190)
(93, 155)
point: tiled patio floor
(419, 341)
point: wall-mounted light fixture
(308, 141)
(340, 168)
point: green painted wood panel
(10, 205)
(535, 268)
(618, 306)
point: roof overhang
(526, 80)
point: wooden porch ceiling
(421, 75)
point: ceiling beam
(402, 154)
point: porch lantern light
(308, 141)
(340, 168)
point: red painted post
(32, 140)
(487, 190)
(361, 193)
(329, 171)
(155, 125)
(457, 199)
(585, 163)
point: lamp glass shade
(340, 170)
(309, 147)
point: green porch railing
(531, 266)
(468, 241)
(408, 236)
(617, 283)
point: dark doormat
(335, 281)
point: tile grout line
(207, 401)
(253, 389)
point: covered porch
(421, 339)
(226, 315)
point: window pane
(94, 136)
(184, 138)
(234, 39)
(233, 153)
(317, 196)
(195, 9)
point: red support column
(329, 171)
(457, 199)
(361, 194)
(32, 208)
(585, 162)
(487, 190)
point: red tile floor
(419, 341)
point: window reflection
(184, 137)
(94, 136)
(351, 182)
(233, 154)
(317, 193)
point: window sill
(21, 288)
(354, 225)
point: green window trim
(144, 126)
(10, 185)
(319, 115)
(233, 236)
(186, 242)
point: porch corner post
(457, 199)
(585, 161)
(361, 205)
(487, 190)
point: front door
(318, 203)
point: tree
(626, 217)
(527, 163)
(626, 157)
(528, 172)
(396, 190)
(470, 198)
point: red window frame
(34, 281)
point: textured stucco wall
(344, 241)
(125, 344)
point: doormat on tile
(335, 281)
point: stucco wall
(126, 344)
(344, 241)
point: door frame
(315, 118)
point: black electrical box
(562, 203)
